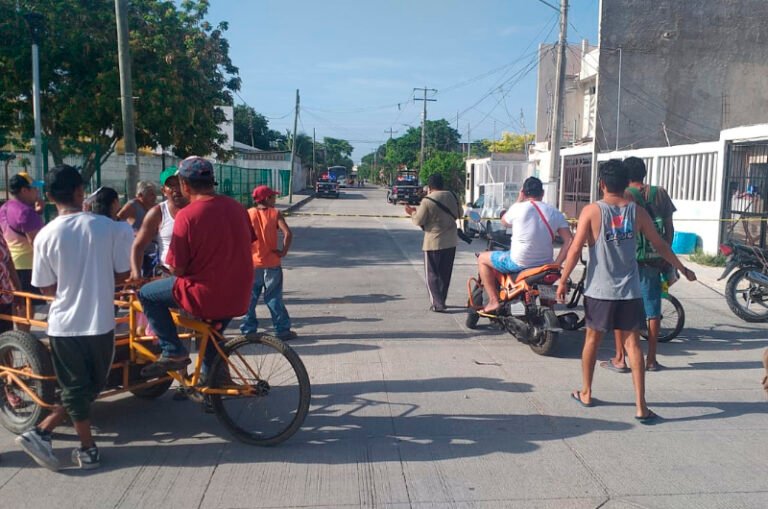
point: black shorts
(25, 277)
(607, 315)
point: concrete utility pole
(126, 96)
(314, 171)
(618, 103)
(293, 148)
(35, 22)
(557, 111)
(423, 120)
(469, 142)
(390, 131)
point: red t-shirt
(212, 242)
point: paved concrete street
(412, 409)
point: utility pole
(250, 124)
(35, 22)
(314, 171)
(375, 176)
(293, 149)
(126, 95)
(423, 120)
(390, 131)
(618, 103)
(469, 143)
(557, 111)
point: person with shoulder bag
(437, 216)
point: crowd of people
(627, 257)
(213, 257)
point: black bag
(459, 232)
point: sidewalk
(299, 199)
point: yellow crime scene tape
(570, 220)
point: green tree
(252, 128)
(448, 164)
(180, 65)
(337, 152)
(509, 142)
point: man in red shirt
(210, 259)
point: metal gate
(577, 176)
(745, 202)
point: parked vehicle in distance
(490, 222)
(341, 175)
(406, 188)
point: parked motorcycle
(527, 299)
(746, 291)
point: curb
(298, 204)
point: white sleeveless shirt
(164, 232)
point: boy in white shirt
(78, 258)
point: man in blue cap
(210, 260)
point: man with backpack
(660, 208)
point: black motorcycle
(746, 291)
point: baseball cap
(167, 173)
(196, 168)
(22, 180)
(261, 193)
(533, 187)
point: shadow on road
(372, 418)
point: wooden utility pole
(423, 120)
(293, 148)
(557, 112)
(390, 131)
(126, 97)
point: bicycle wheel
(280, 403)
(22, 351)
(672, 319)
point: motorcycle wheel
(672, 319)
(472, 316)
(545, 341)
(747, 300)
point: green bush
(709, 260)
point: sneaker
(87, 459)
(39, 447)
(286, 335)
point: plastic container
(684, 243)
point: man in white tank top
(158, 223)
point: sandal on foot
(609, 365)
(650, 418)
(656, 367)
(576, 396)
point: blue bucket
(684, 243)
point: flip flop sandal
(655, 367)
(650, 418)
(576, 396)
(610, 366)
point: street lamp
(35, 21)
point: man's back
(531, 239)
(80, 254)
(211, 242)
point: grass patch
(709, 260)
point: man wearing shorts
(613, 298)
(533, 224)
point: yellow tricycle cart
(257, 385)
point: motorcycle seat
(552, 267)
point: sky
(356, 62)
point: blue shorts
(650, 286)
(502, 262)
